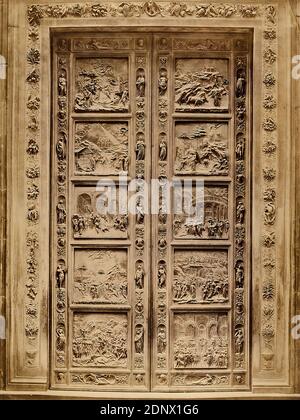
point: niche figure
(240, 147)
(240, 275)
(241, 85)
(140, 83)
(62, 84)
(162, 275)
(61, 212)
(61, 276)
(140, 149)
(163, 150)
(139, 339)
(140, 212)
(163, 82)
(161, 339)
(140, 276)
(240, 212)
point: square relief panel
(100, 340)
(101, 148)
(201, 341)
(100, 276)
(102, 85)
(201, 85)
(201, 277)
(97, 214)
(201, 148)
(213, 209)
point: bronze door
(150, 299)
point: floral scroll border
(35, 15)
(269, 175)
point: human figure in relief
(139, 277)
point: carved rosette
(60, 260)
(32, 176)
(269, 192)
(240, 327)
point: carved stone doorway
(151, 302)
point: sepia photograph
(149, 203)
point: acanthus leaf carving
(33, 56)
(270, 56)
(33, 103)
(33, 77)
(269, 148)
(33, 172)
(269, 80)
(33, 147)
(269, 124)
(270, 102)
(34, 14)
(269, 174)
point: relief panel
(201, 277)
(201, 148)
(100, 276)
(102, 84)
(214, 223)
(100, 340)
(201, 85)
(101, 148)
(201, 341)
(89, 219)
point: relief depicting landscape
(101, 148)
(201, 149)
(100, 340)
(200, 277)
(100, 276)
(201, 85)
(201, 341)
(102, 85)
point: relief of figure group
(101, 148)
(201, 341)
(100, 340)
(201, 85)
(100, 276)
(201, 277)
(211, 222)
(202, 149)
(102, 85)
(92, 218)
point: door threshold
(75, 395)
